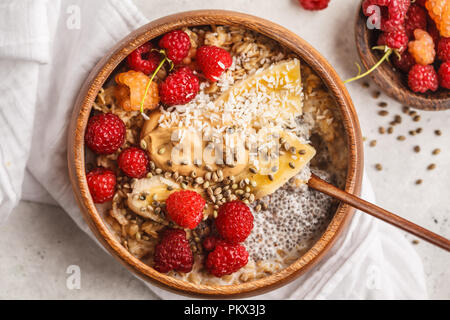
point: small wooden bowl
(392, 82)
(104, 68)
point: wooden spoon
(320, 185)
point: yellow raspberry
(422, 49)
(439, 11)
(130, 91)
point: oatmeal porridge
(215, 132)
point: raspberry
(421, 2)
(185, 208)
(177, 45)
(422, 49)
(213, 61)
(382, 39)
(144, 59)
(102, 184)
(416, 18)
(234, 221)
(405, 62)
(105, 133)
(393, 12)
(397, 40)
(173, 252)
(439, 11)
(226, 259)
(444, 75)
(179, 87)
(209, 243)
(443, 50)
(131, 89)
(133, 162)
(314, 4)
(433, 32)
(422, 78)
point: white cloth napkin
(44, 60)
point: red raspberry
(443, 49)
(177, 45)
(416, 18)
(102, 184)
(444, 75)
(421, 2)
(422, 78)
(314, 4)
(433, 32)
(185, 208)
(397, 40)
(393, 12)
(173, 252)
(134, 162)
(209, 243)
(394, 40)
(234, 221)
(213, 61)
(382, 39)
(105, 133)
(179, 87)
(405, 63)
(226, 259)
(144, 59)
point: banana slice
(280, 84)
(149, 191)
(272, 174)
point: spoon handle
(324, 187)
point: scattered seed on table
(390, 130)
(373, 143)
(436, 152)
(379, 167)
(398, 118)
(401, 138)
(405, 109)
(415, 242)
(376, 94)
(419, 181)
(381, 130)
(383, 113)
(382, 104)
(438, 132)
(412, 113)
(431, 166)
(412, 132)
(365, 85)
(418, 130)
(417, 149)
(416, 118)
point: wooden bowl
(104, 68)
(392, 82)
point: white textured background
(41, 241)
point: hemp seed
(436, 152)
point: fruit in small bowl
(406, 50)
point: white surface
(333, 42)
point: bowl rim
(101, 72)
(387, 79)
